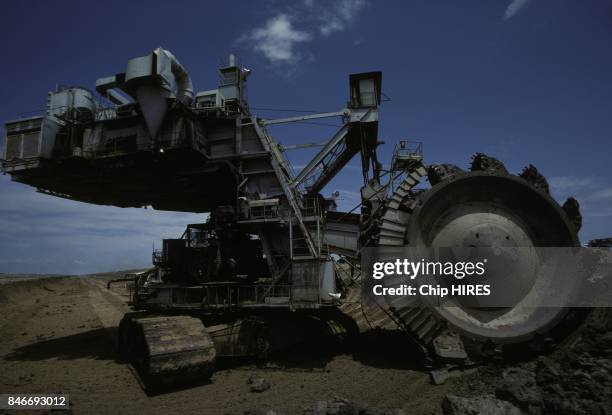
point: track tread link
(167, 350)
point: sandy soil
(58, 336)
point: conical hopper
(154, 106)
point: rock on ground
(344, 407)
(486, 404)
(258, 384)
(518, 386)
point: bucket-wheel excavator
(263, 272)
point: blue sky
(525, 81)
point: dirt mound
(578, 379)
(574, 380)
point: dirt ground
(58, 336)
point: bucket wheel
(483, 207)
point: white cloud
(571, 184)
(45, 234)
(277, 39)
(601, 214)
(333, 24)
(280, 36)
(603, 194)
(514, 8)
(341, 14)
(586, 188)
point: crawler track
(167, 350)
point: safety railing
(406, 154)
(128, 144)
(158, 257)
(233, 295)
(263, 211)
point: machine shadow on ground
(383, 349)
(376, 348)
(388, 349)
(93, 344)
